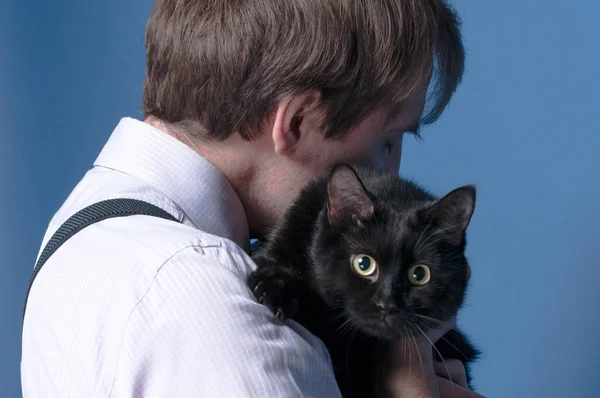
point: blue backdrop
(521, 127)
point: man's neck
(238, 160)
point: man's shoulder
(152, 243)
(134, 248)
(147, 243)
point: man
(244, 102)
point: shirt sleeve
(199, 332)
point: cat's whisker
(405, 348)
(418, 353)
(403, 344)
(408, 341)
(456, 348)
(354, 330)
(345, 327)
(421, 235)
(440, 355)
(349, 328)
(337, 316)
(430, 242)
(429, 319)
(435, 234)
(421, 361)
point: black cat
(363, 258)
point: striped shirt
(146, 307)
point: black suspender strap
(88, 216)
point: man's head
(273, 91)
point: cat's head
(395, 263)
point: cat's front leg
(277, 286)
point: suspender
(88, 216)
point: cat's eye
(419, 275)
(364, 265)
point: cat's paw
(275, 290)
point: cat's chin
(383, 331)
(392, 335)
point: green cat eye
(419, 275)
(364, 265)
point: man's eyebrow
(414, 128)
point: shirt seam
(137, 305)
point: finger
(454, 370)
(449, 389)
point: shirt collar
(194, 184)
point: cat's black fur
(305, 268)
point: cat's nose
(386, 309)
(390, 316)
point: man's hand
(451, 375)
(452, 380)
(414, 373)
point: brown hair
(216, 67)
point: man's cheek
(395, 158)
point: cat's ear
(347, 198)
(453, 213)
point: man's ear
(290, 121)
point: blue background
(522, 127)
